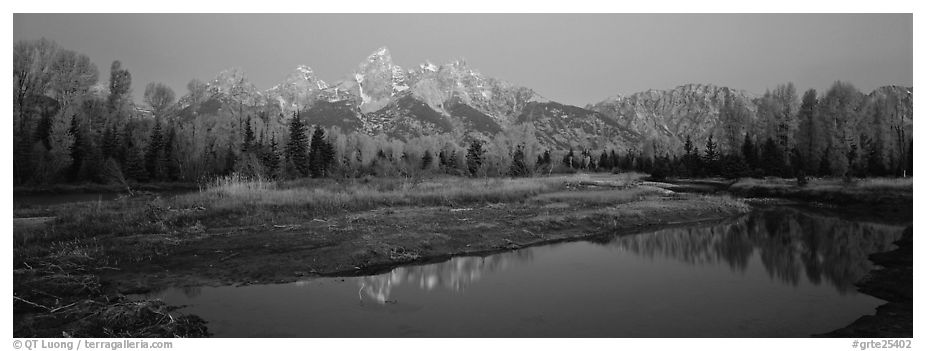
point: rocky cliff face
(668, 116)
(381, 97)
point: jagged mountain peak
(381, 52)
(377, 79)
(380, 57)
(304, 76)
(234, 84)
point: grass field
(81, 258)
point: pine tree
(518, 165)
(772, 158)
(808, 133)
(271, 158)
(826, 168)
(168, 160)
(43, 131)
(153, 153)
(22, 158)
(248, 144)
(442, 158)
(711, 156)
(321, 154)
(77, 148)
(749, 152)
(604, 162)
(427, 159)
(474, 157)
(135, 165)
(297, 148)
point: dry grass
(236, 192)
(825, 184)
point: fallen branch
(226, 258)
(31, 303)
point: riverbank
(58, 189)
(886, 198)
(892, 283)
(248, 232)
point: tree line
(69, 127)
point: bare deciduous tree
(159, 96)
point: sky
(571, 58)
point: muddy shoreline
(893, 282)
(264, 246)
(333, 246)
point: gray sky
(571, 58)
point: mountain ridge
(379, 96)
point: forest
(71, 128)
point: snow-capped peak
(306, 71)
(428, 66)
(381, 54)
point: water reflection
(453, 275)
(787, 241)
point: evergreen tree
(297, 148)
(426, 159)
(826, 168)
(78, 149)
(809, 135)
(168, 160)
(442, 158)
(518, 165)
(660, 167)
(604, 162)
(43, 131)
(248, 144)
(799, 164)
(321, 154)
(271, 158)
(749, 152)
(474, 157)
(875, 163)
(230, 159)
(153, 154)
(135, 165)
(22, 158)
(615, 160)
(772, 158)
(711, 156)
(113, 145)
(452, 161)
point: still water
(773, 273)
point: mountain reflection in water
(787, 241)
(453, 275)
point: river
(777, 272)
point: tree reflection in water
(788, 242)
(454, 274)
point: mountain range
(382, 97)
